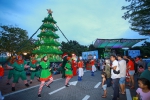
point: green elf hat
(43, 55)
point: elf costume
(92, 62)
(74, 65)
(80, 70)
(19, 72)
(68, 72)
(34, 68)
(11, 72)
(45, 73)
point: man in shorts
(122, 67)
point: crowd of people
(117, 71)
(120, 71)
(40, 69)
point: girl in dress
(143, 92)
(104, 84)
(68, 72)
(45, 74)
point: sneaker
(39, 95)
(48, 86)
(27, 85)
(13, 89)
(67, 85)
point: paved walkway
(88, 89)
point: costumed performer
(74, 65)
(19, 72)
(11, 72)
(80, 70)
(34, 68)
(68, 72)
(45, 73)
(93, 66)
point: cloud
(83, 21)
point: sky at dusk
(80, 20)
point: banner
(134, 53)
(89, 54)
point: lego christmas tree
(48, 40)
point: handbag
(116, 72)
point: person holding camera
(115, 75)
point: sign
(89, 54)
(134, 53)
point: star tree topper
(49, 11)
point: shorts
(18, 75)
(122, 80)
(10, 74)
(131, 72)
(104, 87)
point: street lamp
(25, 53)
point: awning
(116, 43)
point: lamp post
(24, 53)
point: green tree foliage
(73, 47)
(145, 49)
(14, 40)
(138, 13)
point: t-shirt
(113, 75)
(131, 64)
(143, 96)
(122, 67)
